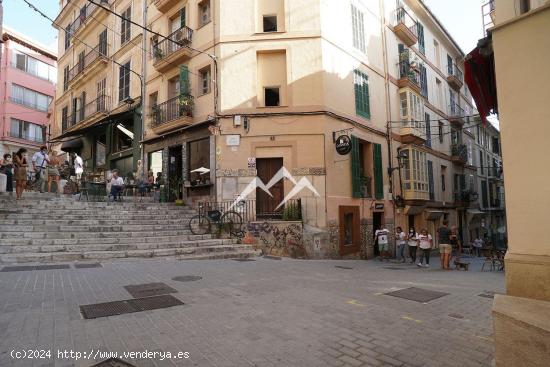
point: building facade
(326, 95)
(28, 75)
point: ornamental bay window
(411, 108)
(415, 175)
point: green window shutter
(355, 168)
(184, 80)
(362, 104)
(421, 45)
(182, 17)
(378, 172)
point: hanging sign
(379, 207)
(343, 144)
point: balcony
(411, 194)
(174, 113)
(465, 197)
(91, 112)
(457, 115)
(405, 27)
(459, 154)
(85, 14)
(174, 50)
(409, 76)
(164, 5)
(366, 187)
(89, 65)
(455, 77)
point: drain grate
(394, 268)
(128, 306)
(187, 278)
(149, 289)
(34, 267)
(87, 266)
(113, 362)
(342, 267)
(417, 294)
(243, 259)
(272, 257)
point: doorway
(175, 173)
(265, 205)
(376, 224)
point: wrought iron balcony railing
(101, 104)
(453, 70)
(84, 14)
(100, 51)
(176, 41)
(173, 109)
(408, 70)
(456, 111)
(402, 16)
(460, 151)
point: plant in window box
(186, 105)
(158, 53)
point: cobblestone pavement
(257, 313)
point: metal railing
(179, 39)
(175, 108)
(98, 52)
(466, 196)
(456, 111)
(460, 151)
(251, 211)
(453, 70)
(101, 104)
(84, 14)
(406, 70)
(402, 16)
(36, 139)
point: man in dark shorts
(445, 248)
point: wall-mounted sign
(378, 206)
(343, 144)
(232, 140)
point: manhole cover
(488, 294)
(394, 268)
(342, 267)
(113, 362)
(187, 278)
(272, 257)
(150, 289)
(243, 259)
(128, 306)
(417, 294)
(88, 266)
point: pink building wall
(10, 75)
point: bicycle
(231, 221)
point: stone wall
(277, 238)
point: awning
(413, 209)
(434, 214)
(71, 145)
(479, 75)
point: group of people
(420, 245)
(44, 164)
(144, 184)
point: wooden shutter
(431, 189)
(362, 105)
(421, 46)
(184, 80)
(355, 168)
(378, 172)
(182, 17)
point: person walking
(53, 172)
(425, 244)
(412, 242)
(40, 161)
(20, 166)
(444, 240)
(381, 236)
(478, 245)
(7, 169)
(401, 243)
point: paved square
(261, 313)
(417, 294)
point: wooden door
(350, 231)
(265, 204)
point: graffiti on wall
(277, 238)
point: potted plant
(158, 53)
(176, 190)
(186, 105)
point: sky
(461, 18)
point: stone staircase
(46, 228)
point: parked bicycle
(229, 221)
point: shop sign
(343, 144)
(233, 140)
(379, 207)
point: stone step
(166, 244)
(183, 220)
(222, 255)
(92, 215)
(91, 228)
(202, 252)
(103, 235)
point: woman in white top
(425, 244)
(401, 242)
(412, 241)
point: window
(484, 198)
(270, 23)
(421, 45)
(415, 171)
(470, 153)
(199, 156)
(271, 96)
(124, 82)
(34, 66)
(362, 103)
(204, 77)
(449, 65)
(204, 12)
(440, 132)
(443, 178)
(123, 135)
(66, 78)
(481, 155)
(102, 40)
(67, 37)
(125, 25)
(439, 88)
(431, 188)
(428, 130)
(358, 28)
(423, 81)
(27, 130)
(496, 146)
(64, 118)
(437, 54)
(524, 6)
(101, 100)
(30, 98)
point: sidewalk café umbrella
(201, 170)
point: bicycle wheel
(232, 222)
(199, 225)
